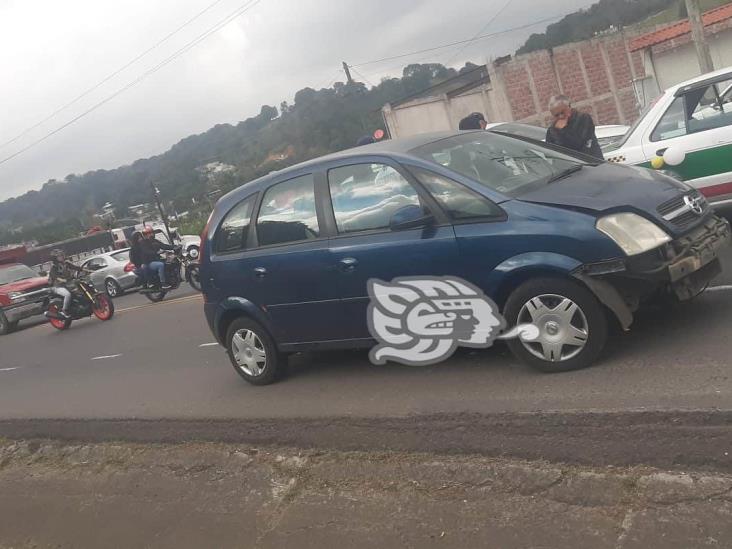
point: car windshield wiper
(564, 173)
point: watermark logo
(422, 320)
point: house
(669, 55)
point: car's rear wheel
(112, 287)
(571, 321)
(253, 353)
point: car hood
(609, 187)
(27, 285)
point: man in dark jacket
(572, 129)
(148, 252)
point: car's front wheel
(571, 321)
(253, 353)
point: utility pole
(697, 34)
(347, 70)
(156, 194)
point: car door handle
(260, 272)
(348, 264)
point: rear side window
(234, 229)
(288, 213)
(365, 196)
(458, 201)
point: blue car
(558, 240)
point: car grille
(678, 212)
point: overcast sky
(52, 51)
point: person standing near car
(60, 277)
(150, 255)
(572, 129)
(474, 121)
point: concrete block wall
(596, 74)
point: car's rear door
(283, 264)
(364, 195)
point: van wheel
(571, 321)
(253, 352)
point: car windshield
(522, 130)
(615, 145)
(502, 163)
(15, 273)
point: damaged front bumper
(685, 267)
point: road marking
(209, 344)
(107, 356)
(9, 369)
(146, 305)
(723, 288)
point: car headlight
(633, 233)
(16, 296)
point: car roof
(700, 79)
(105, 254)
(398, 146)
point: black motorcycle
(178, 267)
(85, 302)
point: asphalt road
(158, 361)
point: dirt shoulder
(100, 495)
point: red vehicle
(22, 295)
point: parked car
(690, 127)
(559, 240)
(22, 294)
(110, 272)
(607, 135)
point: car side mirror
(410, 217)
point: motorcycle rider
(60, 276)
(149, 248)
(136, 258)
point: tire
(6, 327)
(58, 323)
(155, 297)
(559, 322)
(272, 366)
(103, 307)
(193, 277)
(112, 287)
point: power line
(239, 11)
(112, 75)
(443, 46)
(362, 76)
(481, 31)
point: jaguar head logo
(422, 320)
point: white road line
(9, 369)
(723, 288)
(209, 344)
(107, 356)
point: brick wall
(596, 74)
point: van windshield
(502, 163)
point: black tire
(193, 277)
(595, 320)
(6, 327)
(274, 365)
(155, 297)
(112, 287)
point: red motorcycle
(85, 302)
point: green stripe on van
(703, 163)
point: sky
(51, 52)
